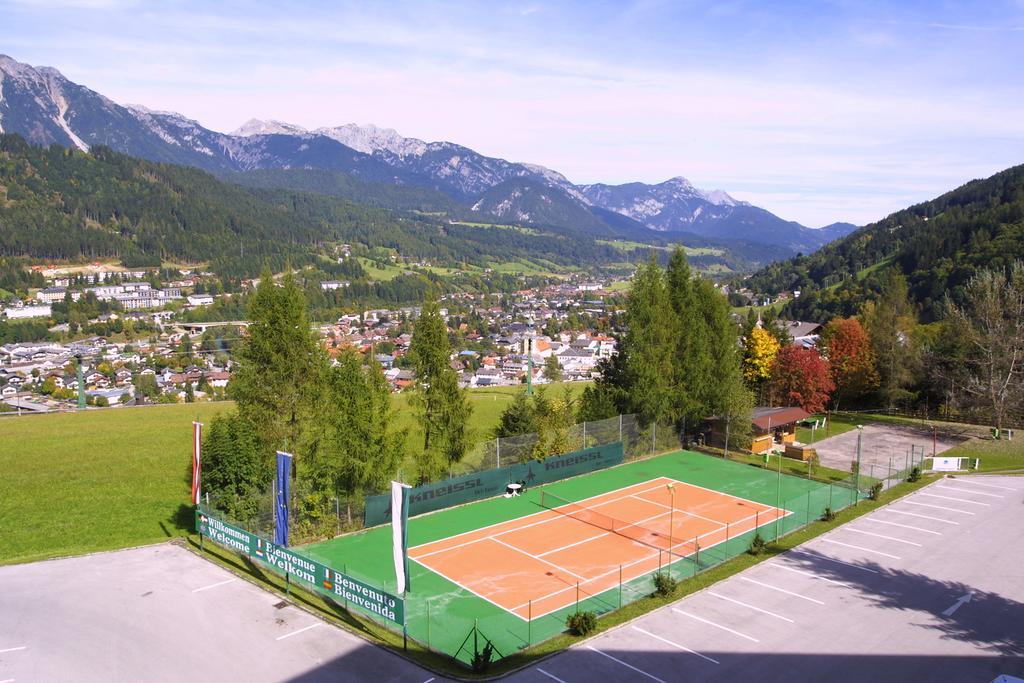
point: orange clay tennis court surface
(540, 563)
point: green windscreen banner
(470, 487)
(285, 561)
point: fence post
(577, 597)
(529, 623)
(830, 497)
(620, 426)
(696, 555)
(808, 507)
(620, 586)
(428, 623)
(497, 449)
(584, 434)
(654, 436)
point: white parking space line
(973, 493)
(711, 623)
(756, 609)
(14, 649)
(888, 538)
(628, 666)
(902, 526)
(295, 633)
(551, 676)
(213, 585)
(958, 500)
(779, 565)
(975, 482)
(859, 547)
(914, 514)
(677, 645)
(819, 556)
(7, 680)
(782, 590)
(429, 680)
(937, 507)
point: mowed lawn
(80, 482)
(74, 483)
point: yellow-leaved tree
(761, 349)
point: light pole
(856, 477)
(671, 519)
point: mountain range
(46, 108)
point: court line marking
(429, 679)
(711, 623)
(779, 565)
(958, 500)
(974, 482)
(573, 545)
(551, 676)
(937, 507)
(539, 559)
(681, 647)
(904, 526)
(756, 609)
(973, 493)
(785, 513)
(914, 514)
(213, 585)
(295, 633)
(858, 547)
(682, 510)
(782, 590)
(819, 556)
(553, 516)
(14, 649)
(888, 538)
(628, 666)
(598, 576)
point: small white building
(20, 312)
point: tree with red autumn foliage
(847, 346)
(801, 377)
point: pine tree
(890, 323)
(352, 447)
(281, 367)
(442, 408)
(517, 419)
(649, 345)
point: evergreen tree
(552, 369)
(281, 366)
(890, 323)
(517, 419)
(649, 346)
(442, 408)
(234, 468)
(352, 448)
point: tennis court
(538, 564)
(508, 568)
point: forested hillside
(57, 203)
(937, 245)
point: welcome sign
(285, 561)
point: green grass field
(443, 614)
(105, 479)
(80, 482)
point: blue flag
(283, 496)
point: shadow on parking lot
(988, 620)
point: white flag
(399, 533)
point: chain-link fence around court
(319, 514)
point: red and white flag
(197, 466)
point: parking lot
(882, 447)
(930, 587)
(161, 613)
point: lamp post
(671, 519)
(856, 478)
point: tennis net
(635, 532)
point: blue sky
(818, 111)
